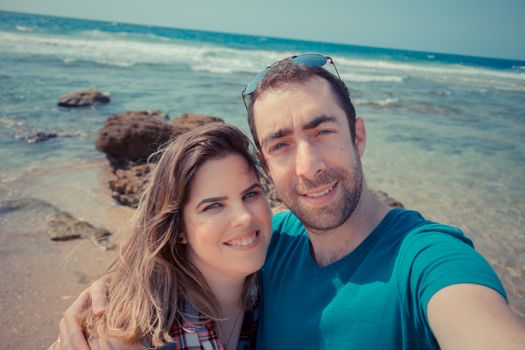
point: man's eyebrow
(314, 123)
(211, 200)
(276, 135)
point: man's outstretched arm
(71, 334)
(471, 316)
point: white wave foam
(124, 64)
(106, 48)
(388, 102)
(124, 50)
(424, 68)
(10, 123)
(23, 29)
(354, 77)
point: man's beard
(336, 213)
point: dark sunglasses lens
(310, 60)
(252, 85)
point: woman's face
(227, 219)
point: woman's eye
(212, 206)
(251, 194)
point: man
(344, 271)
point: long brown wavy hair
(152, 273)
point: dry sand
(40, 277)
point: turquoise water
(446, 133)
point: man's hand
(71, 335)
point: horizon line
(277, 37)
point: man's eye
(324, 132)
(277, 147)
(212, 206)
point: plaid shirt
(189, 336)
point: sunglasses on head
(311, 60)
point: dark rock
(25, 204)
(188, 121)
(133, 135)
(60, 225)
(40, 137)
(83, 98)
(157, 113)
(129, 140)
(129, 184)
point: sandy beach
(445, 137)
(40, 277)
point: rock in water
(40, 137)
(133, 135)
(188, 121)
(130, 138)
(83, 98)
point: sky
(485, 28)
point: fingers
(99, 295)
(71, 334)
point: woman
(186, 273)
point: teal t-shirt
(373, 298)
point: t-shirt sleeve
(433, 258)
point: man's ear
(360, 136)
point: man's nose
(308, 161)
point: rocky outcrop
(128, 184)
(58, 224)
(133, 135)
(130, 138)
(189, 121)
(83, 98)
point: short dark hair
(287, 71)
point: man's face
(306, 144)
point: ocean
(446, 133)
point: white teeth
(319, 194)
(242, 242)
